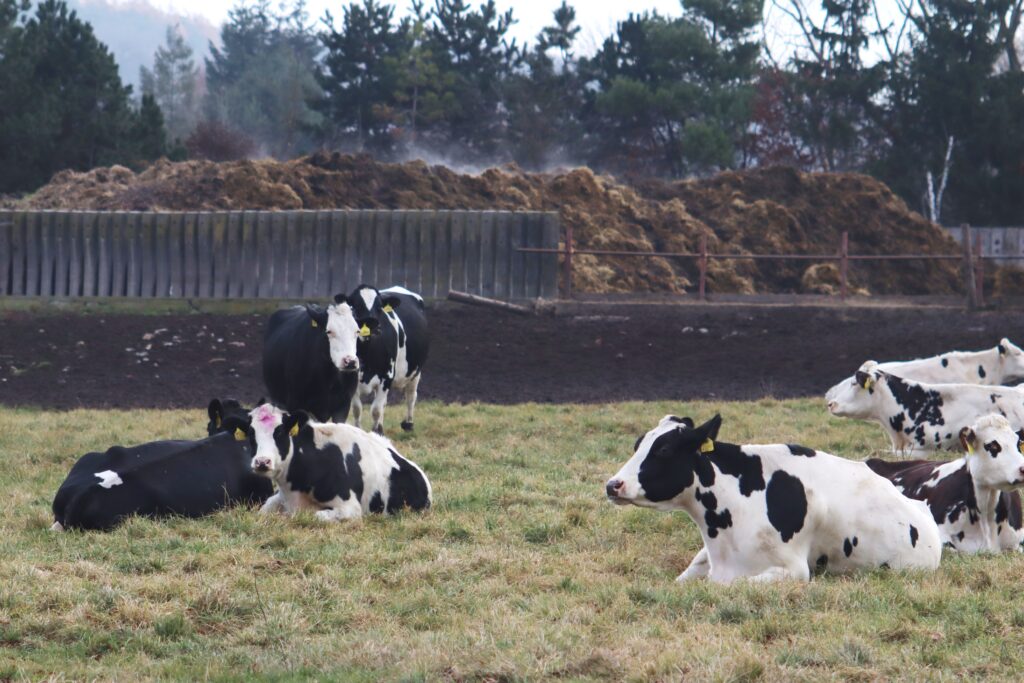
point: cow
(160, 478)
(218, 410)
(310, 361)
(393, 357)
(918, 416)
(338, 470)
(772, 512)
(974, 499)
(1002, 364)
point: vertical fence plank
(6, 228)
(338, 227)
(534, 239)
(265, 247)
(218, 255)
(443, 253)
(429, 220)
(204, 242)
(292, 283)
(75, 253)
(233, 263)
(104, 256)
(279, 254)
(381, 248)
(89, 259)
(118, 261)
(487, 228)
(60, 254)
(457, 262)
(172, 245)
(503, 222)
(409, 266)
(473, 220)
(18, 254)
(396, 250)
(305, 285)
(162, 255)
(46, 253)
(321, 254)
(252, 249)
(32, 253)
(550, 228)
(517, 260)
(135, 225)
(147, 254)
(190, 256)
(367, 255)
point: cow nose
(261, 465)
(832, 405)
(613, 487)
(350, 363)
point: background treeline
(927, 95)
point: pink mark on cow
(266, 416)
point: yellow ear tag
(388, 309)
(239, 434)
(707, 446)
(313, 323)
(217, 423)
(364, 331)
(969, 449)
(868, 383)
(295, 430)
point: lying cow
(919, 416)
(393, 357)
(187, 478)
(776, 511)
(310, 360)
(973, 499)
(338, 470)
(1003, 364)
(219, 410)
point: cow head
(666, 461)
(221, 411)
(271, 431)
(1011, 361)
(342, 331)
(368, 304)
(994, 453)
(857, 396)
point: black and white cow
(973, 499)
(187, 478)
(219, 410)
(338, 470)
(310, 361)
(393, 357)
(1002, 364)
(918, 416)
(769, 512)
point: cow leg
(410, 402)
(57, 526)
(274, 504)
(800, 572)
(357, 411)
(343, 509)
(380, 401)
(699, 567)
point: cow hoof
(57, 526)
(406, 426)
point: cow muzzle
(349, 364)
(613, 489)
(261, 465)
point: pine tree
(173, 83)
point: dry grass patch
(520, 572)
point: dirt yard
(611, 354)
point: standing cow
(310, 360)
(338, 470)
(1002, 364)
(974, 499)
(770, 512)
(392, 357)
(919, 416)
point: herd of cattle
(781, 511)
(765, 511)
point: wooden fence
(276, 254)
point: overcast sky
(596, 18)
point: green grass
(520, 572)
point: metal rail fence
(276, 254)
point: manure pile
(771, 210)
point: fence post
(979, 272)
(702, 264)
(969, 281)
(844, 261)
(567, 264)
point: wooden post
(969, 281)
(567, 265)
(702, 264)
(844, 262)
(979, 272)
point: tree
(63, 103)
(173, 83)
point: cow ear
(237, 426)
(294, 422)
(340, 299)
(371, 323)
(968, 439)
(216, 412)
(317, 316)
(709, 430)
(390, 303)
(1020, 434)
(864, 380)
(260, 402)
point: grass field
(520, 572)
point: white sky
(596, 18)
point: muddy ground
(603, 355)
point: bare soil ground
(625, 352)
